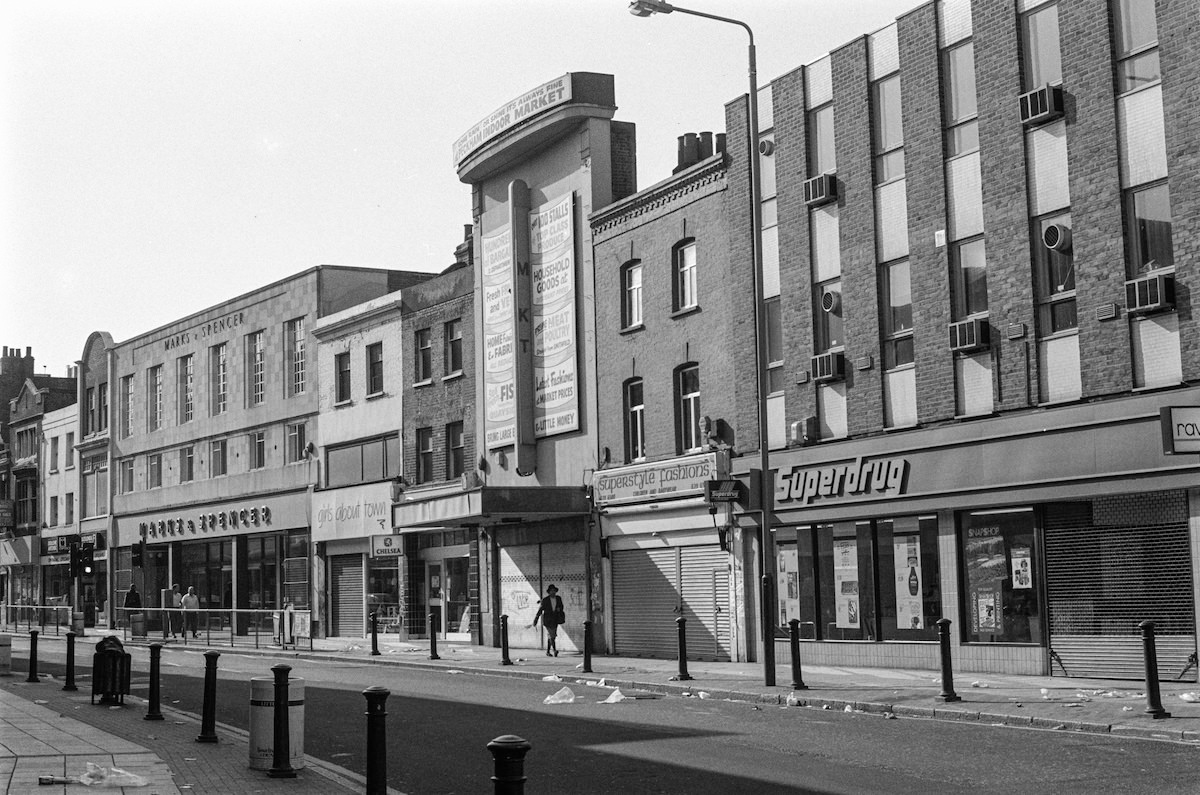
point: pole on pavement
(70, 684)
(683, 675)
(374, 635)
(504, 658)
(154, 711)
(1154, 707)
(376, 739)
(208, 718)
(947, 694)
(433, 655)
(587, 647)
(33, 676)
(281, 766)
(794, 639)
(508, 756)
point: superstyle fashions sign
(546, 96)
(207, 522)
(551, 257)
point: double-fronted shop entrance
(1045, 544)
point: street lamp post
(645, 8)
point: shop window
(999, 558)
(870, 580)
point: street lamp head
(645, 8)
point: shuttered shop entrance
(346, 595)
(1111, 564)
(525, 573)
(653, 587)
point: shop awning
(17, 551)
(489, 505)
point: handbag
(560, 615)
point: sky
(158, 158)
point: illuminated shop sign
(207, 522)
(857, 478)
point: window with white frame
(218, 378)
(89, 418)
(822, 155)
(635, 420)
(685, 292)
(631, 295)
(297, 442)
(897, 322)
(94, 482)
(775, 380)
(154, 398)
(687, 410)
(187, 464)
(125, 408)
(218, 458)
(186, 383)
(1137, 44)
(341, 369)
(126, 466)
(294, 334)
(424, 455)
(375, 369)
(889, 130)
(258, 449)
(102, 407)
(423, 358)
(154, 471)
(452, 361)
(455, 449)
(367, 461)
(968, 278)
(256, 368)
(1148, 229)
(1042, 56)
(961, 106)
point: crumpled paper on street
(564, 696)
(615, 697)
(99, 776)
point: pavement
(39, 734)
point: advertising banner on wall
(499, 361)
(552, 264)
(907, 561)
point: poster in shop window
(987, 567)
(789, 594)
(845, 581)
(1022, 568)
(907, 560)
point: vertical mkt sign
(555, 361)
(499, 373)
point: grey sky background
(158, 158)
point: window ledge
(343, 403)
(457, 374)
(376, 395)
(685, 311)
(631, 329)
(426, 382)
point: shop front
(58, 586)
(671, 553)
(1045, 538)
(245, 558)
(347, 523)
(476, 553)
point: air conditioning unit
(805, 431)
(1042, 105)
(1148, 294)
(970, 335)
(831, 301)
(829, 366)
(820, 190)
(1057, 237)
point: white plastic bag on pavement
(115, 777)
(564, 696)
(615, 697)
(552, 678)
(1190, 696)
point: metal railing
(15, 618)
(210, 627)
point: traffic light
(138, 552)
(73, 566)
(86, 559)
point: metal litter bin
(110, 671)
(262, 722)
(137, 625)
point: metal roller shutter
(525, 571)
(346, 595)
(1103, 580)
(645, 602)
(704, 589)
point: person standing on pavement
(552, 614)
(191, 605)
(133, 603)
(176, 605)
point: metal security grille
(653, 587)
(346, 595)
(525, 572)
(1103, 580)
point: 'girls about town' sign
(856, 478)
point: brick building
(984, 228)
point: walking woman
(552, 614)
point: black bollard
(794, 630)
(33, 677)
(683, 676)
(70, 685)
(947, 694)
(281, 766)
(433, 655)
(376, 740)
(374, 635)
(504, 658)
(208, 720)
(587, 647)
(508, 755)
(1154, 707)
(154, 710)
